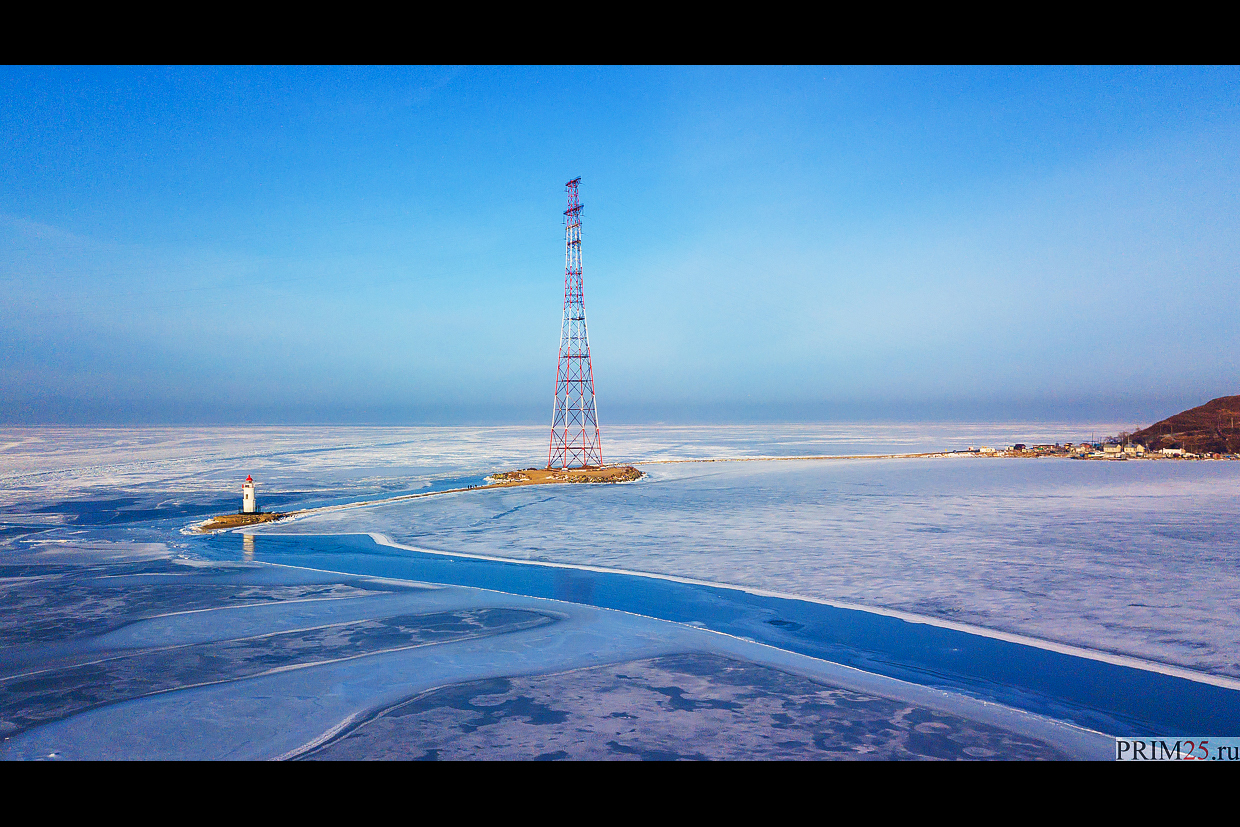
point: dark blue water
(1114, 699)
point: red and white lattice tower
(575, 440)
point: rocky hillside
(1210, 428)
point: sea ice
(1136, 558)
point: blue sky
(386, 245)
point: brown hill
(1212, 428)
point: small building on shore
(248, 504)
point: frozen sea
(1125, 559)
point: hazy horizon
(385, 246)
(693, 417)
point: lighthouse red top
(248, 478)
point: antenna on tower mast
(575, 439)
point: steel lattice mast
(575, 440)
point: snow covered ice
(1135, 558)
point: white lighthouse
(248, 504)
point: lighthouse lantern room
(248, 504)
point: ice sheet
(316, 678)
(1136, 558)
(42, 465)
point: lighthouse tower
(248, 504)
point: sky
(385, 245)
